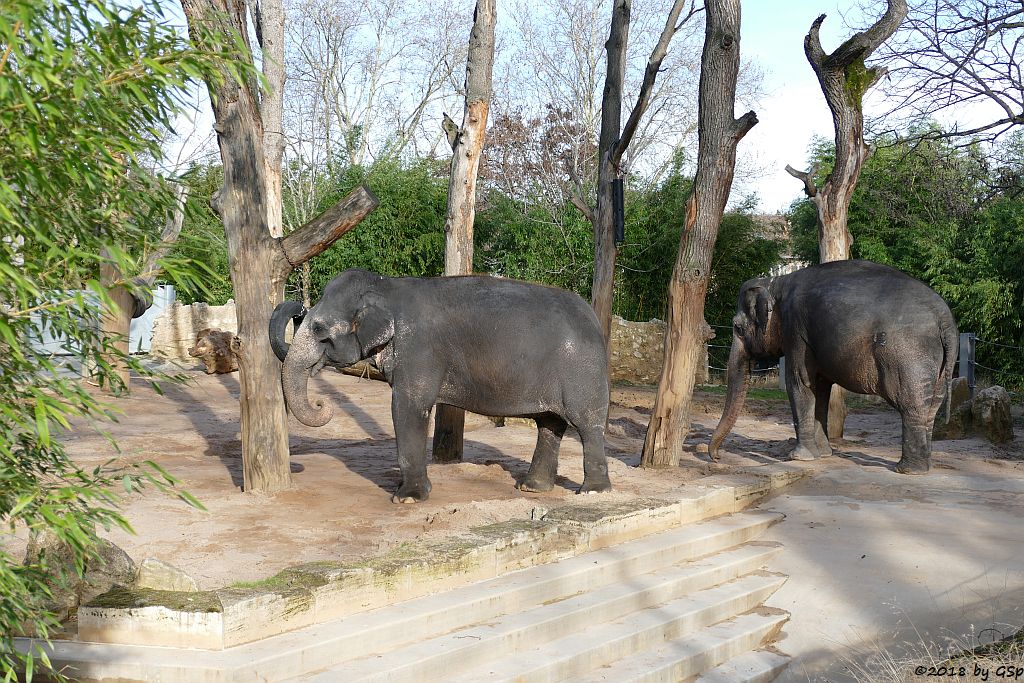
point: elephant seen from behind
(867, 327)
(489, 345)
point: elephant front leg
(595, 462)
(410, 418)
(801, 402)
(544, 465)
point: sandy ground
(339, 508)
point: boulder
(68, 588)
(959, 424)
(159, 575)
(990, 415)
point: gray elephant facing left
(488, 345)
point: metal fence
(968, 365)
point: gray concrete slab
(885, 567)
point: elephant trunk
(739, 381)
(286, 311)
(305, 357)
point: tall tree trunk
(844, 79)
(131, 302)
(605, 250)
(268, 18)
(467, 144)
(259, 262)
(718, 135)
(614, 140)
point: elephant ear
(759, 305)
(374, 327)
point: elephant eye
(319, 330)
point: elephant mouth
(318, 364)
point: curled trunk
(305, 357)
(285, 312)
(739, 380)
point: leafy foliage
(520, 234)
(85, 87)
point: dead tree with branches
(467, 143)
(259, 261)
(845, 78)
(615, 138)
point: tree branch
(860, 45)
(810, 189)
(451, 130)
(318, 234)
(583, 207)
(643, 99)
(743, 125)
(167, 238)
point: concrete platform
(887, 569)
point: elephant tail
(950, 351)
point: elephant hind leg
(544, 465)
(917, 442)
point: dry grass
(1000, 657)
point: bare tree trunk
(719, 134)
(259, 262)
(605, 250)
(844, 79)
(467, 144)
(268, 18)
(129, 303)
(614, 140)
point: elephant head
(352, 321)
(755, 335)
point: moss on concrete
(135, 598)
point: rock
(158, 575)
(111, 567)
(62, 578)
(990, 415)
(959, 424)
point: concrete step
(546, 601)
(581, 651)
(756, 666)
(684, 658)
(612, 582)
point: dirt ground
(339, 508)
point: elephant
(865, 326)
(490, 345)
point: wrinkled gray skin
(867, 327)
(488, 345)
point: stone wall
(636, 355)
(174, 332)
(638, 350)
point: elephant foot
(905, 466)
(532, 485)
(411, 494)
(801, 452)
(590, 486)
